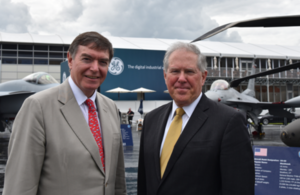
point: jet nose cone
(213, 95)
(293, 101)
(290, 135)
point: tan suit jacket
(52, 150)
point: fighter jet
(13, 93)
(221, 91)
(290, 134)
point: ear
(165, 76)
(204, 75)
(70, 60)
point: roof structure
(209, 48)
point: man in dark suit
(193, 145)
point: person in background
(67, 139)
(120, 115)
(130, 116)
(193, 145)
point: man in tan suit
(54, 148)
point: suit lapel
(107, 133)
(74, 116)
(161, 125)
(194, 124)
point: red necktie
(94, 126)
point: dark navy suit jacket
(212, 156)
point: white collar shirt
(185, 118)
(81, 98)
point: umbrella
(118, 90)
(142, 91)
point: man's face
(89, 68)
(183, 78)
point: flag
(260, 151)
(141, 107)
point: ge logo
(116, 66)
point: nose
(94, 66)
(181, 77)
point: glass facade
(32, 54)
(17, 57)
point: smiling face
(88, 68)
(183, 78)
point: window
(208, 60)
(276, 93)
(295, 88)
(41, 47)
(25, 47)
(263, 64)
(9, 46)
(41, 54)
(24, 61)
(9, 53)
(9, 61)
(257, 92)
(56, 48)
(66, 48)
(283, 93)
(223, 67)
(25, 54)
(55, 62)
(56, 55)
(40, 61)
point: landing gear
(258, 132)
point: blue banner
(277, 170)
(126, 135)
(64, 71)
(131, 69)
(141, 107)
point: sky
(176, 19)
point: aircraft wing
(236, 82)
(277, 21)
(276, 109)
(6, 99)
(263, 105)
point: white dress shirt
(81, 98)
(185, 118)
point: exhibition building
(138, 62)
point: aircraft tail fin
(251, 84)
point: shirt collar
(79, 95)
(187, 109)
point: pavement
(131, 153)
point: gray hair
(201, 62)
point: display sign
(131, 69)
(126, 135)
(277, 170)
